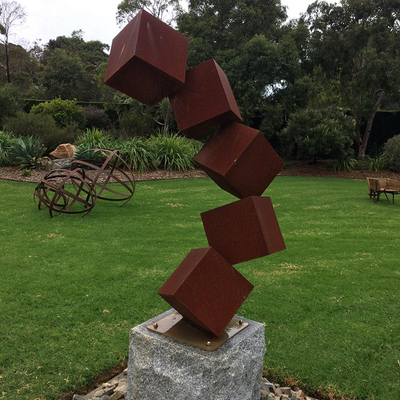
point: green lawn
(72, 287)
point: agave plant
(27, 153)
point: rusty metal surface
(141, 63)
(206, 289)
(179, 328)
(65, 191)
(244, 230)
(76, 191)
(239, 160)
(148, 62)
(105, 174)
(205, 101)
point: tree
(65, 76)
(10, 102)
(71, 67)
(244, 39)
(64, 112)
(356, 43)
(11, 14)
(23, 69)
(166, 10)
(320, 132)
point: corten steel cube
(205, 101)
(147, 59)
(206, 290)
(240, 160)
(244, 230)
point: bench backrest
(393, 184)
(380, 184)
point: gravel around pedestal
(115, 389)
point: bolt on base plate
(179, 328)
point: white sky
(47, 19)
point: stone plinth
(162, 368)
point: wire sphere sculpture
(102, 170)
(94, 174)
(65, 191)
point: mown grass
(72, 287)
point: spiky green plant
(138, 154)
(27, 152)
(346, 164)
(174, 152)
(6, 143)
(376, 163)
(93, 139)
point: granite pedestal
(161, 367)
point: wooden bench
(377, 186)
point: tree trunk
(6, 47)
(367, 132)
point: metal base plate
(179, 328)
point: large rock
(65, 150)
(62, 163)
(162, 368)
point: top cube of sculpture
(141, 63)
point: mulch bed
(294, 168)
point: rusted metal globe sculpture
(103, 171)
(66, 191)
(95, 174)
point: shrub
(392, 153)
(174, 152)
(42, 127)
(64, 112)
(346, 164)
(376, 163)
(93, 139)
(6, 143)
(27, 152)
(88, 153)
(96, 118)
(137, 121)
(138, 154)
(317, 133)
(10, 102)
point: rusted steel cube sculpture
(206, 289)
(244, 230)
(205, 101)
(147, 59)
(239, 160)
(147, 62)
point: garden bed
(293, 168)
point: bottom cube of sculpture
(206, 290)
